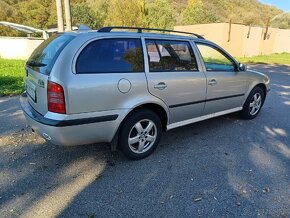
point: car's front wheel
(140, 134)
(253, 104)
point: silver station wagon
(125, 87)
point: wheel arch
(245, 112)
(155, 107)
(158, 109)
(252, 86)
(263, 87)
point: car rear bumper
(71, 131)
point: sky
(281, 4)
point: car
(126, 87)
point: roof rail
(140, 30)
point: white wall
(17, 48)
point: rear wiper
(35, 64)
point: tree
(160, 14)
(197, 13)
(83, 14)
(100, 9)
(35, 12)
(147, 13)
(125, 13)
(8, 13)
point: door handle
(212, 82)
(160, 86)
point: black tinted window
(44, 56)
(166, 55)
(111, 56)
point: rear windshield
(44, 56)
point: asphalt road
(223, 167)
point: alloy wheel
(255, 104)
(142, 136)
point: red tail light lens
(55, 98)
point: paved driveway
(223, 167)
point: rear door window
(111, 56)
(45, 55)
(165, 55)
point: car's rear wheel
(140, 134)
(253, 104)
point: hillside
(152, 13)
(240, 11)
(281, 21)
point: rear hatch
(38, 68)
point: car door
(109, 72)
(173, 76)
(226, 86)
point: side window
(153, 57)
(164, 55)
(215, 60)
(111, 56)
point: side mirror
(242, 67)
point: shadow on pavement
(220, 167)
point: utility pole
(267, 28)
(230, 30)
(59, 16)
(67, 15)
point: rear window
(111, 56)
(44, 56)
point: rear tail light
(55, 98)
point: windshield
(44, 56)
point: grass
(11, 77)
(281, 58)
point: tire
(134, 140)
(253, 104)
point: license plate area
(31, 90)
